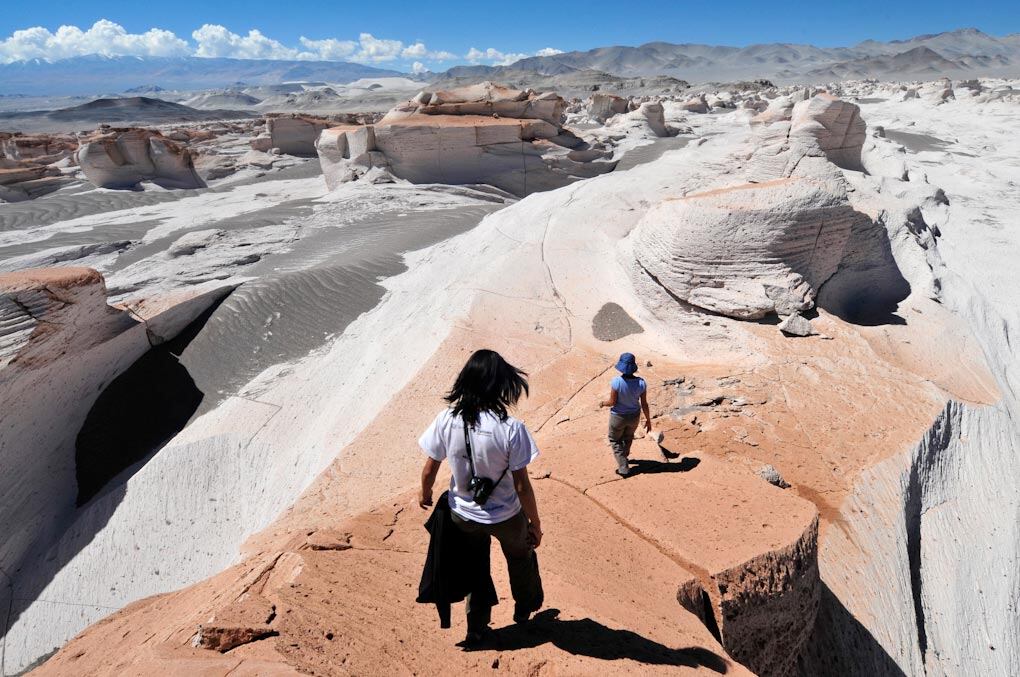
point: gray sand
(282, 316)
(916, 143)
(650, 152)
(612, 323)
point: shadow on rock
(586, 637)
(644, 467)
(841, 645)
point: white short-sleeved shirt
(497, 446)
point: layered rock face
(27, 164)
(748, 250)
(39, 148)
(123, 158)
(820, 126)
(293, 134)
(59, 344)
(601, 106)
(510, 139)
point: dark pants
(525, 581)
(621, 435)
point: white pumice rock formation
(601, 107)
(483, 134)
(748, 250)
(292, 134)
(123, 158)
(788, 131)
(60, 345)
(648, 117)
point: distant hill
(966, 52)
(136, 110)
(92, 74)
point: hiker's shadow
(640, 466)
(586, 637)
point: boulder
(796, 325)
(263, 142)
(293, 134)
(748, 250)
(601, 107)
(123, 158)
(698, 104)
(648, 117)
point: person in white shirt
(484, 443)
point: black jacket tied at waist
(456, 566)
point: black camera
(481, 488)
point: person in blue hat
(627, 400)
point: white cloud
(216, 41)
(498, 58)
(376, 50)
(213, 40)
(104, 37)
(329, 49)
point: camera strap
(471, 454)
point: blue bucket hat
(627, 364)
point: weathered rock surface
(123, 158)
(39, 148)
(649, 115)
(730, 250)
(602, 106)
(789, 131)
(292, 134)
(60, 345)
(485, 98)
(510, 139)
(796, 325)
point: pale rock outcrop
(123, 158)
(788, 131)
(833, 126)
(39, 148)
(883, 157)
(511, 139)
(61, 344)
(748, 250)
(601, 106)
(697, 104)
(485, 98)
(648, 115)
(292, 134)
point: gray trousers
(525, 581)
(621, 435)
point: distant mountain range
(966, 52)
(93, 75)
(962, 53)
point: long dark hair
(486, 383)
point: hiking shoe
(622, 472)
(521, 614)
(475, 640)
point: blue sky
(440, 34)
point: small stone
(769, 473)
(796, 325)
